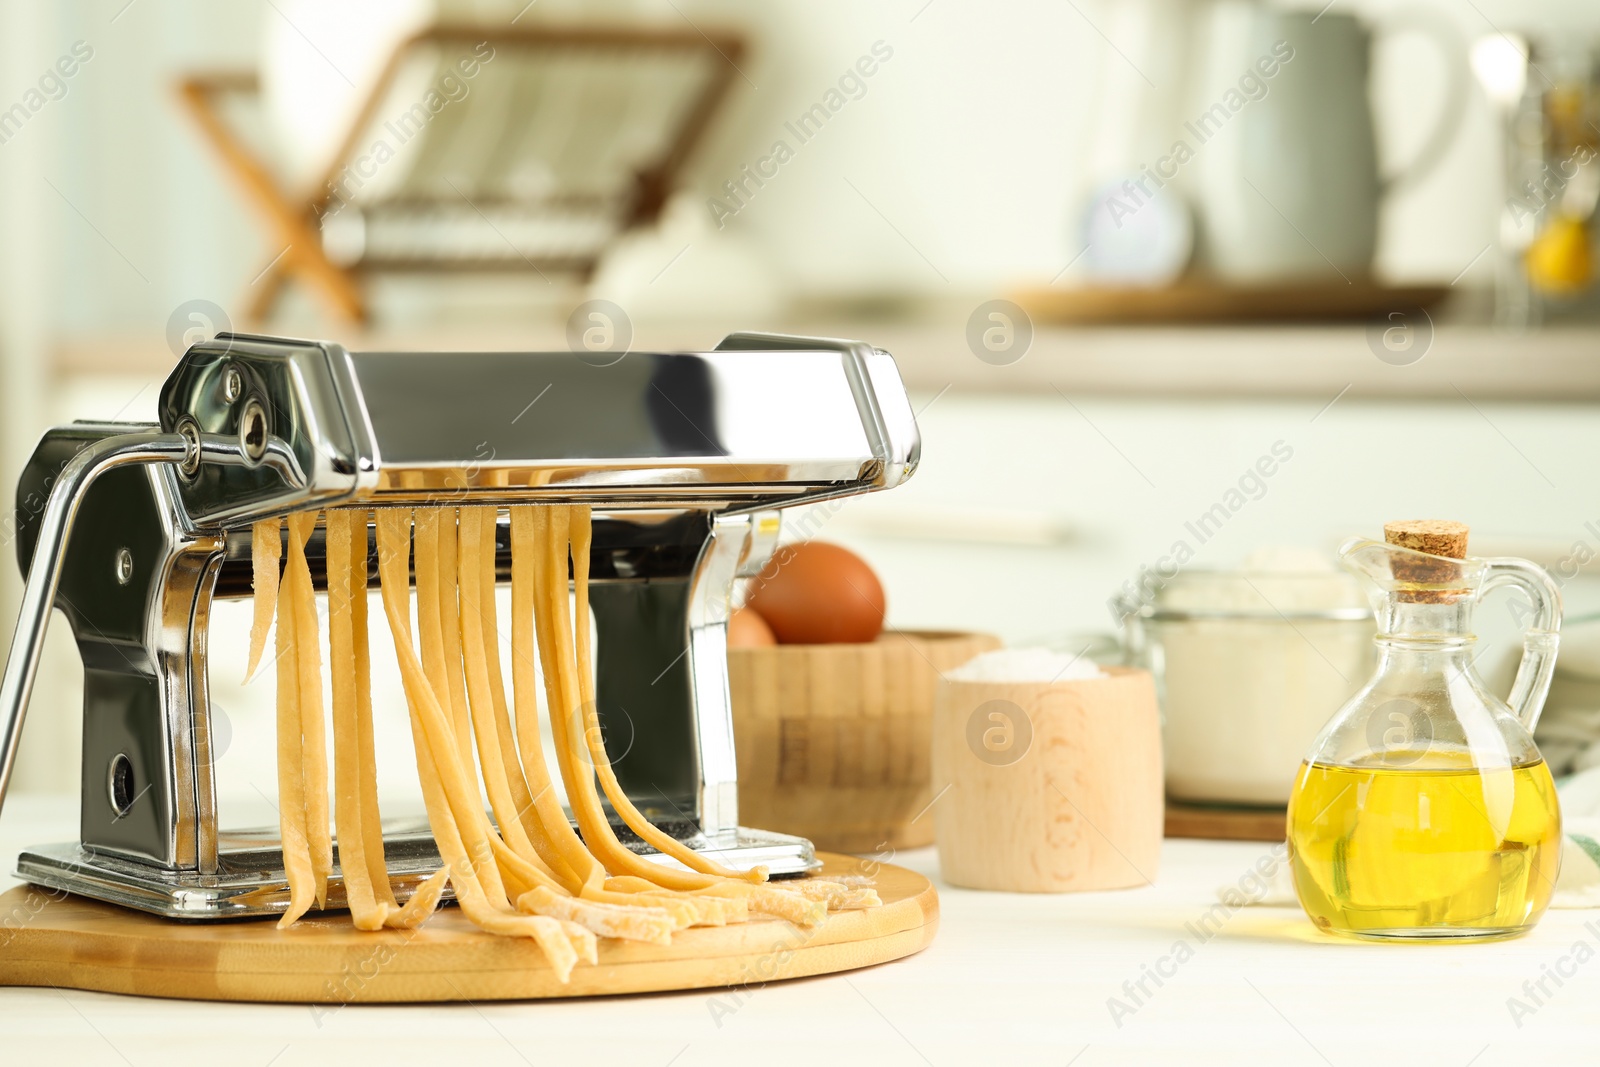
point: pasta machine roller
(133, 529)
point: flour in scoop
(1026, 665)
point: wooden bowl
(834, 740)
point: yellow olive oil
(1386, 849)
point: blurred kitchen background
(1125, 251)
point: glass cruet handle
(1539, 640)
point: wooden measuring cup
(1053, 787)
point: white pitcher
(1285, 171)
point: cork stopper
(1436, 537)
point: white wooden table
(1009, 980)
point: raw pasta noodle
(521, 862)
(549, 541)
(450, 630)
(437, 620)
(499, 767)
(703, 910)
(714, 911)
(580, 533)
(301, 599)
(837, 896)
(435, 751)
(292, 833)
(482, 574)
(471, 847)
(426, 897)
(528, 873)
(366, 877)
(367, 912)
(770, 900)
(444, 733)
(566, 850)
(265, 551)
(654, 925)
(371, 825)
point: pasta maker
(133, 530)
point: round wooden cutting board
(74, 943)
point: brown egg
(815, 593)
(746, 629)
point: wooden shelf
(1558, 364)
(1191, 302)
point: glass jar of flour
(1249, 665)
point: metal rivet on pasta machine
(124, 566)
(232, 384)
(119, 784)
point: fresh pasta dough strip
(522, 876)
(770, 900)
(548, 530)
(450, 633)
(652, 925)
(371, 820)
(497, 774)
(581, 532)
(566, 851)
(505, 739)
(394, 558)
(424, 902)
(461, 723)
(366, 911)
(714, 911)
(292, 836)
(265, 551)
(527, 591)
(568, 692)
(836, 895)
(739, 898)
(691, 909)
(449, 760)
(356, 818)
(685, 913)
(302, 599)
(583, 941)
(430, 622)
(480, 841)
(520, 862)
(425, 898)
(551, 935)
(552, 620)
(521, 873)
(767, 899)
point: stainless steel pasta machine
(133, 529)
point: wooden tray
(75, 943)
(1201, 301)
(1224, 824)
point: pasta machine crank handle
(44, 572)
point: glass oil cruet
(1424, 810)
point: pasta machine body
(132, 530)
